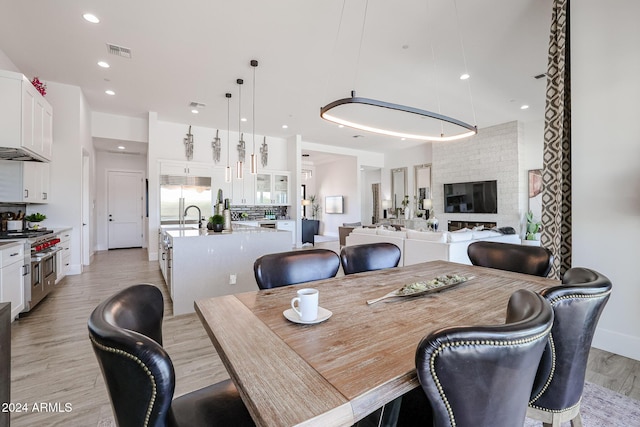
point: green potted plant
(216, 223)
(34, 219)
(533, 228)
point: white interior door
(124, 210)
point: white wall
(606, 177)
(337, 179)
(71, 135)
(123, 128)
(405, 157)
(6, 63)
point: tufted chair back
(369, 257)
(534, 260)
(577, 304)
(126, 334)
(481, 376)
(290, 268)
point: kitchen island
(204, 264)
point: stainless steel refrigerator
(179, 192)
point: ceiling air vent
(114, 49)
(197, 105)
(540, 76)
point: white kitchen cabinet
(218, 183)
(63, 258)
(26, 118)
(36, 180)
(11, 271)
(185, 169)
(288, 225)
(243, 189)
(272, 188)
(24, 182)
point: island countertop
(203, 232)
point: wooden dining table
(336, 372)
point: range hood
(18, 154)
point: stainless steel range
(40, 248)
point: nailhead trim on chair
(444, 346)
(553, 302)
(553, 370)
(143, 366)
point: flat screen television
(334, 205)
(471, 197)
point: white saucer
(323, 314)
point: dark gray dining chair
(293, 267)
(126, 335)
(534, 260)
(480, 376)
(577, 304)
(369, 257)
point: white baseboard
(615, 342)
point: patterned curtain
(556, 173)
(375, 190)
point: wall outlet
(232, 279)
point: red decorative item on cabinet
(41, 87)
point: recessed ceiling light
(464, 76)
(91, 18)
(285, 127)
(103, 64)
(121, 147)
(524, 107)
(340, 126)
(194, 111)
(109, 92)
(244, 119)
(403, 139)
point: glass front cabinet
(272, 188)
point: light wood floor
(52, 360)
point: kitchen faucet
(199, 214)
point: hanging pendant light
(241, 144)
(227, 171)
(367, 114)
(254, 158)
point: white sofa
(422, 246)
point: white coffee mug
(307, 300)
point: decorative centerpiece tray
(425, 287)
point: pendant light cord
(253, 112)
(335, 46)
(228, 95)
(435, 69)
(364, 22)
(464, 60)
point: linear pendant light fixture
(367, 116)
(227, 171)
(254, 158)
(241, 144)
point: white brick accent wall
(493, 154)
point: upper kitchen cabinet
(185, 169)
(272, 188)
(243, 189)
(26, 120)
(24, 182)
